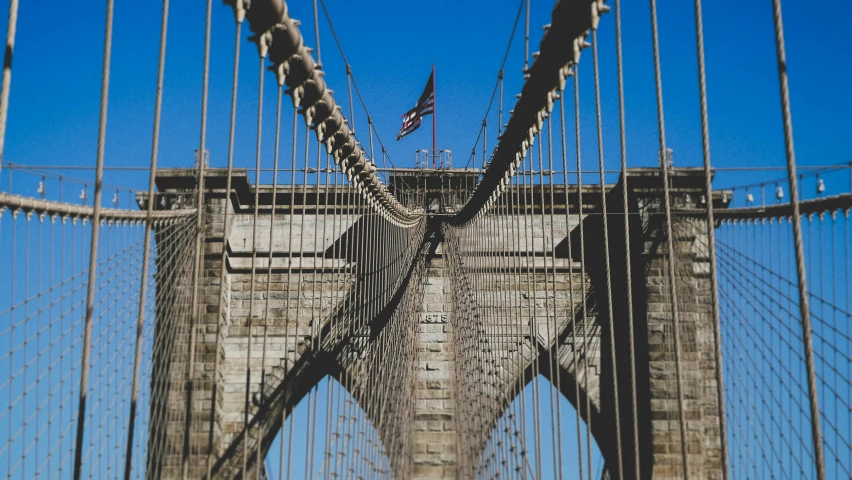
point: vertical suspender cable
(11, 29)
(616, 402)
(317, 35)
(516, 309)
(549, 334)
(711, 235)
(554, 356)
(290, 274)
(269, 262)
(571, 308)
(336, 271)
(224, 255)
(434, 119)
(93, 251)
(582, 270)
(529, 253)
(252, 279)
(500, 111)
(669, 232)
(628, 261)
(377, 227)
(317, 270)
(527, 38)
(146, 246)
(194, 318)
(484, 143)
(804, 308)
(319, 65)
(370, 127)
(309, 457)
(351, 105)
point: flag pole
(434, 120)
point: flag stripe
(411, 120)
(408, 129)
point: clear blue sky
(391, 46)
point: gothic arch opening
(327, 434)
(543, 433)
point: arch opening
(327, 434)
(542, 433)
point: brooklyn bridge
(541, 307)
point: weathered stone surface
(235, 314)
(434, 406)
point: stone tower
(217, 339)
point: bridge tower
(187, 417)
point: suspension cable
(226, 232)
(670, 241)
(6, 85)
(711, 234)
(627, 242)
(797, 237)
(146, 248)
(617, 400)
(93, 253)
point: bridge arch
(321, 443)
(301, 394)
(539, 397)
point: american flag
(425, 106)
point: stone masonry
(435, 447)
(181, 417)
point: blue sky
(55, 89)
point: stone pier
(310, 288)
(435, 437)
